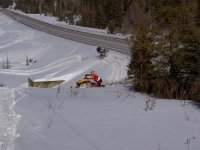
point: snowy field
(110, 118)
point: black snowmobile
(102, 52)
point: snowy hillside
(110, 118)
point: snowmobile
(86, 82)
(102, 52)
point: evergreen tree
(5, 3)
(97, 14)
(173, 58)
(198, 14)
(141, 60)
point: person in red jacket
(95, 77)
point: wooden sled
(44, 84)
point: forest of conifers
(166, 52)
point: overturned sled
(44, 84)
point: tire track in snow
(64, 61)
(2, 32)
(54, 65)
(8, 119)
(5, 20)
(118, 67)
(21, 38)
(55, 69)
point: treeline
(5, 3)
(63, 9)
(90, 13)
(166, 53)
(104, 13)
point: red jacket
(95, 77)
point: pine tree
(198, 14)
(174, 56)
(5, 3)
(140, 60)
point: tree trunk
(198, 14)
(40, 6)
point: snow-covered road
(112, 42)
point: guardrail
(111, 43)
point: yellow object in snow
(84, 81)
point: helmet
(98, 49)
(92, 72)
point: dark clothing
(99, 82)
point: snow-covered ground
(110, 118)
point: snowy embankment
(105, 118)
(54, 21)
(111, 118)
